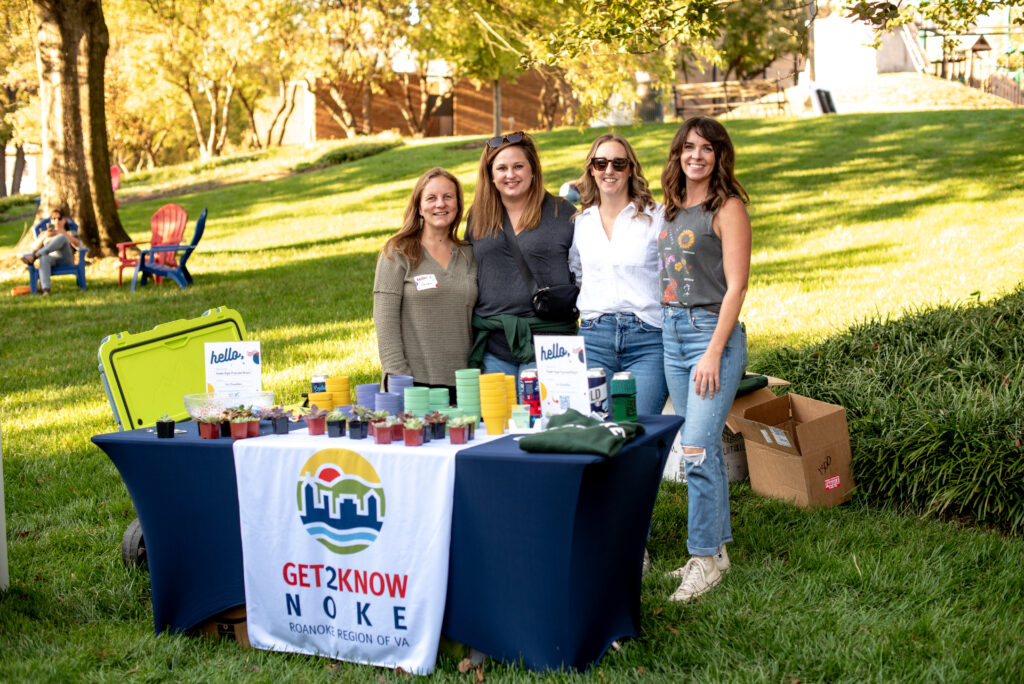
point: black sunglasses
(619, 163)
(498, 140)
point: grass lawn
(853, 215)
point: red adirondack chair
(168, 225)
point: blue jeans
(492, 364)
(623, 342)
(686, 335)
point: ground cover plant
(854, 216)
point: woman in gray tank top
(704, 264)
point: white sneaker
(647, 564)
(699, 575)
(721, 561)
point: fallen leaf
(134, 669)
(640, 670)
(479, 674)
(674, 631)
(465, 665)
(254, 668)
(657, 611)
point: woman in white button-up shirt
(614, 255)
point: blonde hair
(638, 188)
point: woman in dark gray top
(510, 190)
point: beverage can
(598, 390)
(529, 390)
(320, 382)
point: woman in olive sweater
(425, 287)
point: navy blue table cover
(546, 548)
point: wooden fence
(721, 97)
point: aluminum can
(598, 390)
(320, 382)
(529, 390)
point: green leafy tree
(757, 32)
(950, 16)
(18, 82)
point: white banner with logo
(345, 546)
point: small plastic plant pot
(316, 425)
(357, 429)
(209, 430)
(382, 435)
(279, 425)
(225, 428)
(239, 430)
(457, 435)
(438, 430)
(254, 428)
(397, 432)
(335, 428)
(165, 429)
(413, 436)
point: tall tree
(72, 45)
(949, 16)
(757, 32)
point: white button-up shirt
(618, 275)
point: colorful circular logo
(341, 500)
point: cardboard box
(733, 447)
(798, 449)
(227, 625)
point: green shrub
(935, 404)
(350, 152)
(15, 205)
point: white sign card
(233, 367)
(562, 372)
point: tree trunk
(71, 50)
(3, 168)
(287, 114)
(367, 109)
(250, 111)
(19, 169)
(339, 109)
(496, 105)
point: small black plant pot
(428, 433)
(165, 429)
(438, 430)
(335, 428)
(279, 425)
(357, 429)
(471, 433)
(225, 428)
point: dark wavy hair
(486, 215)
(407, 240)
(639, 191)
(723, 182)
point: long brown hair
(487, 213)
(639, 191)
(407, 240)
(723, 183)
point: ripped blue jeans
(686, 335)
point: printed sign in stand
(562, 372)
(345, 549)
(233, 367)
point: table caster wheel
(133, 546)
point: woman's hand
(706, 379)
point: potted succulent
(252, 419)
(397, 424)
(165, 427)
(458, 429)
(225, 423)
(471, 423)
(239, 424)
(316, 419)
(381, 428)
(210, 420)
(436, 422)
(336, 423)
(359, 423)
(378, 419)
(279, 418)
(412, 431)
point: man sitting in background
(54, 247)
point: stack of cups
(387, 401)
(397, 385)
(510, 392)
(439, 398)
(494, 401)
(417, 401)
(467, 390)
(324, 400)
(339, 387)
(365, 394)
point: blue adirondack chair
(76, 269)
(148, 266)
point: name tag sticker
(781, 437)
(426, 281)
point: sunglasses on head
(498, 140)
(619, 163)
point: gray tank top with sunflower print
(690, 261)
